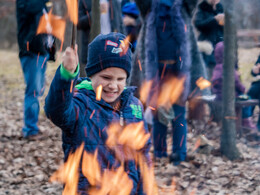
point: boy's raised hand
(70, 59)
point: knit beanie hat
(130, 9)
(107, 51)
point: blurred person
(34, 52)
(167, 57)
(110, 21)
(217, 83)
(84, 119)
(254, 90)
(131, 22)
(209, 21)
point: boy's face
(113, 81)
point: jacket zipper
(121, 121)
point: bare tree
(228, 135)
(95, 20)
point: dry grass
(247, 59)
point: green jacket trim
(85, 85)
(68, 75)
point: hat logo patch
(111, 43)
(117, 50)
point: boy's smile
(113, 81)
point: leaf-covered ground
(26, 166)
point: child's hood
(219, 53)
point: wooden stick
(73, 37)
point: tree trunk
(95, 20)
(228, 135)
(94, 29)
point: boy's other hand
(70, 59)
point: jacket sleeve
(240, 88)
(257, 62)
(35, 6)
(151, 58)
(145, 151)
(84, 16)
(60, 106)
(151, 61)
(203, 22)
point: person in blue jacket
(83, 118)
(131, 22)
(167, 57)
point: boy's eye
(106, 77)
(120, 79)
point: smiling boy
(82, 117)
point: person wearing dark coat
(217, 83)
(131, 21)
(209, 21)
(254, 90)
(34, 54)
(112, 10)
(167, 57)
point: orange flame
(140, 65)
(147, 173)
(72, 6)
(170, 91)
(134, 136)
(203, 83)
(91, 169)
(145, 89)
(113, 133)
(126, 142)
(110, 182)
(193, 192)
(173, 185)
(197, 144)
(116, 181)
(113, 183)
(99, 92)
(152, 108)
(51, 24)
(68, 173)
(124, 45)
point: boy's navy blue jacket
(84, 119)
